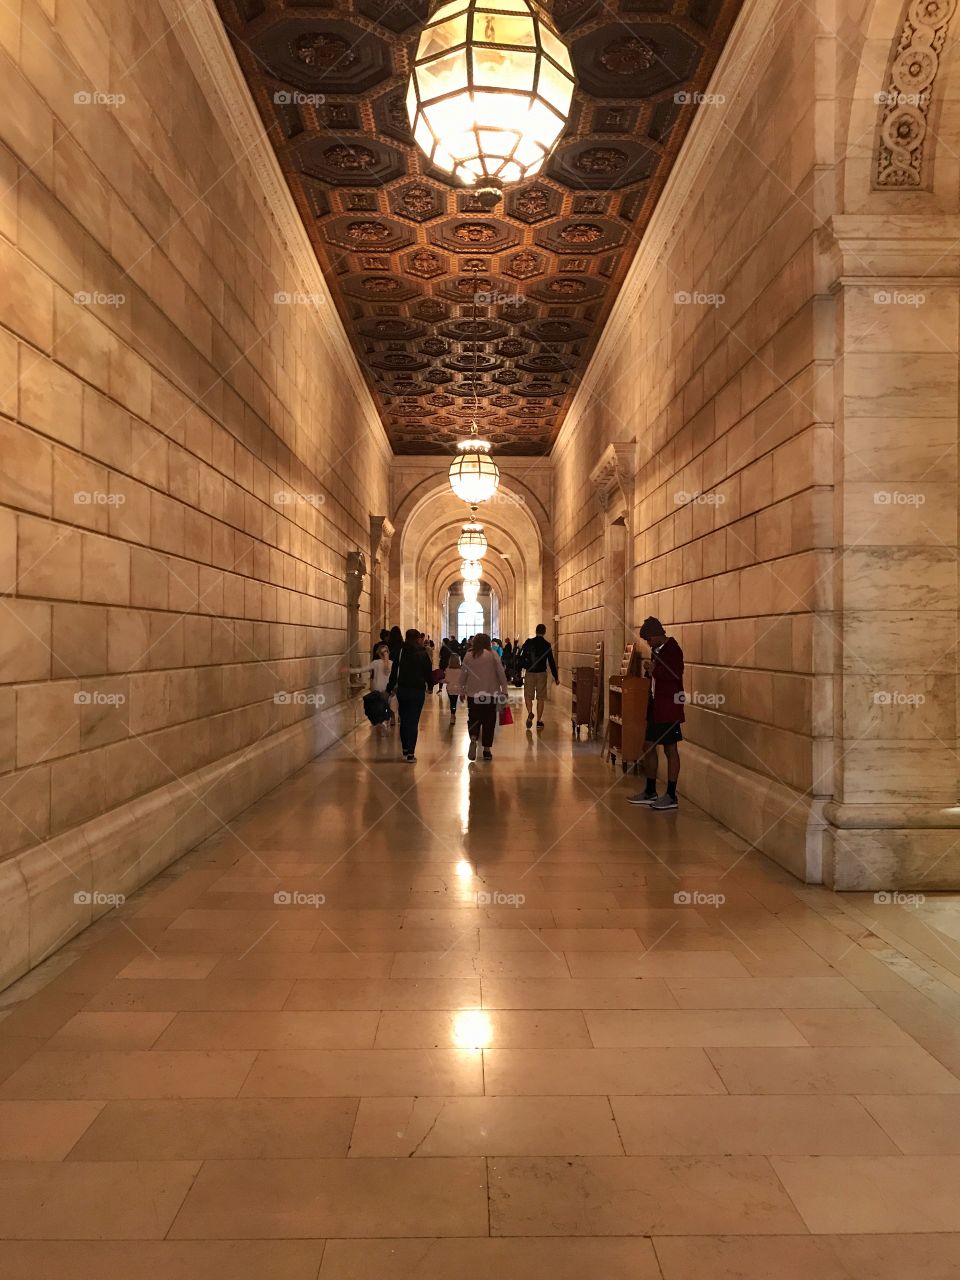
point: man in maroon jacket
(664, 715)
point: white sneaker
(472, 749)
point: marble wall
(766, 381)
(188, 455)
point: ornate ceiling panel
(448, 305)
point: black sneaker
(530, 721)
(643, 797)
(488, 755)
(410, 758)
(665, 802)
(539, 724)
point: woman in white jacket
(483, 683)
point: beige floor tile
(385, 993)
(576, 993)
(221, 1129)
(297, 966)
(161, 1259)
(655, 964)
(393, 940)
(556, 941)
(111, 1031)
(147, 966)
(754, 1126)
(750, 1258)
(920, 1126)
(888, 1257)
(224, 941)
(881, 1070)
(337, 1073)
(334, 1029)
(484, 1126)
(413, 966)
(209, 994)
(859, 1194)
(482, 1028)
(847, 1028)
(639, 1028)
(74, 1201)
(480, 1259)
(133, 1074)
(609, 1195)
(43, 1130)
(766, 993)
(530, 1072)
(302, 1199)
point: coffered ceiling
(446, 303)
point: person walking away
(376, 704)
(453, 674)
(410, 677)
(384, 639)
(665, 715)
(484, 684)
(536, 656)
(395, 641)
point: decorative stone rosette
(905, 102)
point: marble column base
(48, 892)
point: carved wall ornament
(904, 104)
(603, 160)
(349, 159)
(581, 233)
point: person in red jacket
(664, 715)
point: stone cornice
(737, 72)
(199, 29)
(889, 245)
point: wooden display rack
(629, 693)
(587, 694)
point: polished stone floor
(459, 1021)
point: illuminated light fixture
(471, 570)
(472, 545)
(490, 91)
(470, 592)
(474, 476)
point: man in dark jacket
(535, 656)
(410, 677)
(664, 715)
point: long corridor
(463, 1021)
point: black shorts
(664, 733)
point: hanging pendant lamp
(472, 545)
(474, 476)
(490, 91)
(471, 570)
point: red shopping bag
(506, 715)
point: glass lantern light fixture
(472, 544)
(470, 591)
(474, 476)
(490, 91)
(471, 570)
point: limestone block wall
(187, 454)
(714, 377)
